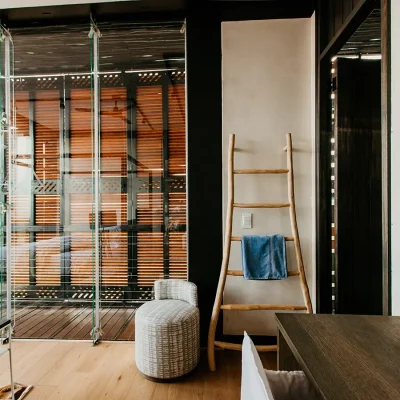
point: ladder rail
(227, 249)
(293, 222)
(226, 256)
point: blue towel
(264, 257)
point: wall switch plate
(247, 220)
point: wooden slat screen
(113, 142)
(177, 209)
(150, 208)
(149, 125)
(20, 258)
(81, 133)
(47, 166)
(150, 254)
(114, 209)
(177, 255)
(177, 130)
(81, 208)
(113, 132)
(114, 260)
(151, 213)
(81, 204)
(48, 259)
(47, 134)
(22, 113)
(47, 209)
(81, 258)
(21, 210)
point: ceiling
(367, 38)
(122, 46)
(53, 40)
(143, 9)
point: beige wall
(268, 90)
(395, 159)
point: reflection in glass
(109, 213)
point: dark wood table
(345, 357)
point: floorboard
(78, 371)
(73, 323)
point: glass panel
(95, 137)
(5, 122)
(52, 184)
(118, 202)
(143, 166)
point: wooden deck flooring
(73, 323)
(79, 371)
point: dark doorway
(357, 186)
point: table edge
(296, 354)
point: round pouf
(167, 339)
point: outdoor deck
(73, 323)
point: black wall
(204, 149)
(358, 190)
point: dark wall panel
(358, 191)
(335, 13)
(204, 147)
(347, 7)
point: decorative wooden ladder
(227, 249)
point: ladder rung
(285, 148)
(239, 239)
(238, 347)
(239, 272)
(261, 171)
(261, 205)
(265, 307)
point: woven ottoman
(167, 331)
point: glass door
(7, 131)
(97, 159)
(51, 196)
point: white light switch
(247, 219)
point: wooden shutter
(47, 154)
(22, 113)
(20, 256)
(114, 206)
(81, 133)
(114, 209)
(21, 210)
(48, 259)
(47, 134)
(47, 167)
(113, 148)
(177, 255)
(114, 260)
(150, 209)
(177, 209)
(150, 262)
(81, 258)
(81, 207)
(47, 210)
(177, 129)
(149, 125)
(113, 132)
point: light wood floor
(76, 370)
